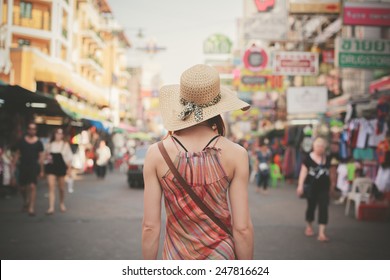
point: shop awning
(19, 99)
(100, 125)
(380, 85)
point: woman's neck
(199, 129)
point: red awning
(380, 85)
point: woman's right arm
(151, 223)
(301, 180)
(238, 195)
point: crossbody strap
(189, 190)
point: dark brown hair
(53, 136)
(219, 123)
(216, 121)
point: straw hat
(199, 97)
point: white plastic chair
(361, 190)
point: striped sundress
(190, 234)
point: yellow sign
(249, 81)
(314, 6)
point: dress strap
(177, 140)
(212, 139)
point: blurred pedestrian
(315, 173)
(30, 155)
(207, 165)
(263, 156)
(103, 156)
(58, 157)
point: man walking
(30, 155)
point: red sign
(328, 56)
(374, 14)
(255, 59)
(295, 63)
(264, 5)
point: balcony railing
(94, 58)
(94, 36)
(40, 22)
(65, 33)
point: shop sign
(255, 59)
(264, 5)
(295, 63)
(374, 14)
(370, 54)
(307, 100)
(328, 56)
(314, 6)
(217, 44)
(271, 23)
(259, 81)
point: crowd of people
(32, 159)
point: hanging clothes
(365, 130)
(353, 132)
(289, 162)
(376, 137)
(383, 109)
(343, 145)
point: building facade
(74, 50)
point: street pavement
(104, 218)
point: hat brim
(170, 107)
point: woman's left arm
(151, 223)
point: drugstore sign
(366, 54)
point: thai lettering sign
(371, 54)
(374, 14)
(295, 63)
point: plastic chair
(360, 192)
(275, 174)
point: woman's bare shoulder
(233, 148)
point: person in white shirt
(58, 163)
(103, 155)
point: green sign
(366, 54)
(217, 44)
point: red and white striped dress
(190, 234)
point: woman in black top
(30, 157)
(315, 172)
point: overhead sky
(179, 25)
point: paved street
(103, 221)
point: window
(23, 42)
(25, 9)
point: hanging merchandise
(364, 131)
(383, 177)
(383, 109)
(343, 145)
(383, 153)
(353, 131)
(376, 137)
(307, 141)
